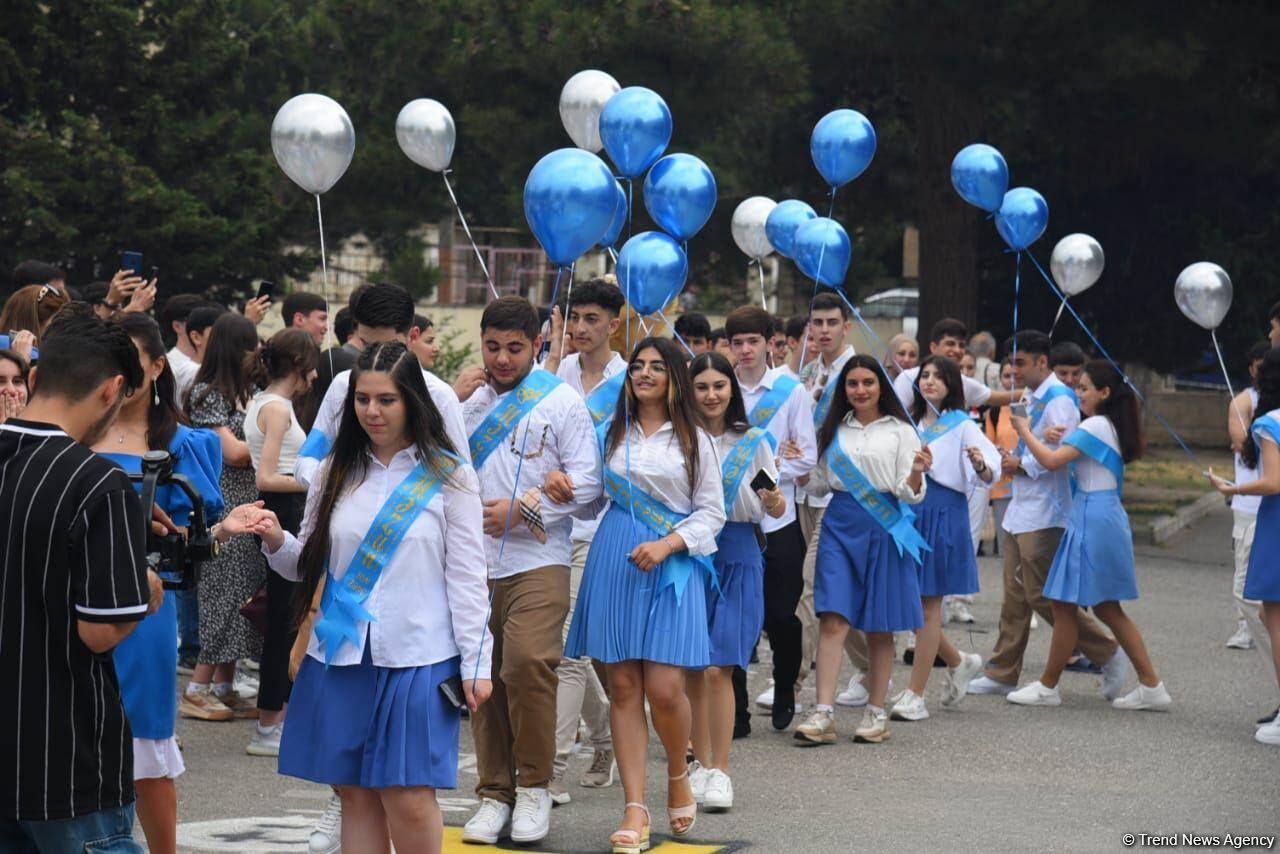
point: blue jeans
(108, 831)
(188, 623)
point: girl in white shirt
(381, 723)
(735, 612)
(866, 576)
(1093, 567)
(964, 460)
(640, 608)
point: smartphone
(452, 690)
(154, 274)
(266, 289)
(762, 480)
(1206, 472)
(130, 260)
(1018, 409)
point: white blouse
(1092, 476)
(655, 464)
(747, 506)
(951, 467)
(429, 603)
(883, 450)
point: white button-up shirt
(747, 506)
(819, 375)
(883, 451)
(556, 435)
(975, 393)
(329, 416)
(184, 374)
(793, 422)
(951, 467)
(571, 372)
(430, 601)
(1042, 498)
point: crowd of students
(564, 535)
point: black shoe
(909, 657)
(1269, 718)
(784, 706)
(742, 728)
(1083, 665)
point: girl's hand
(774, 502)
(789, 450)
(299, 651)
(923, 460)
(23, 343)
(10, 407)
(476, 691)
(1053, 435)
(1226, 488)
(976, 459)
(648, 555)
(1021, 424)
(558, 487)
(253, 519)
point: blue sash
(603, 400)
(824, 402)
(504, 417)
(895, 518)
(342, 603)
(947, 421)
(1098, 451)
(661, 520)
(1265, 426)
(734, 467)
(1038, 407)
(317, 446)
(770, 402)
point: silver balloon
(748, 226)
(426, 133)
(1076, 263)
(1203, 293)
(313, 140)
(581, 101)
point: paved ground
(989, 776)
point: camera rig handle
(175, 559)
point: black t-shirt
(72, 549)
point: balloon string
(568, 301)
(629, 208)
(672, 327)
(1213, 333)
(1106, 355)
(759, 262)
(805, 343)
(882, 347)
(324, 265)
(1058, 316)
(467, 229)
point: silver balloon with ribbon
(1076, 264)
(581, 101)
(1203, 294)
(747, 227)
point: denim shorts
(108, 831)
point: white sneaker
(986, 685)
(856, 694)
(531, 819)
(910, 707)
(1268, 733)
(765, 700)
(326, 836)
(958, 612)
(1114, 673)
(1242, 639)
(959, 677)
(819, 729)
(719, 792)
(265, 743)
(558, 790)
(1035, 621)
(245, 685)
(698, 780)
(1035, 694)
(1142, 698)
(490, 823)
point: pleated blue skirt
(373, 727)
(859, 573)
(625, 614)
(951, 569)
(1263, 581)
(1094, 561)
(146, 665)
(735, 613)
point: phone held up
(131, 261)
(266, 289)
(762, 480)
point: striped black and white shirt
(71, 548)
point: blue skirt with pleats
(1094, 561)
(735, 613)
(1263, 581)
(146, 665)
(859, 573)
(373, 727)
(951, 569)
(625, 614)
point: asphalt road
(989, 776)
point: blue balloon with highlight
(842, 145)
(611, 236)
(652, 269)
(635, 127)
(680, 194)
(781, 224)
(823, 251)
(1022, 218)
(570, 199)
(981, 176)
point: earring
(155, 394)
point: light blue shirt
(1042, 498)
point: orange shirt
(1004, 437)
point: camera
(175, 558)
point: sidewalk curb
(1164, 527)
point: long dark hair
(840, 406)
(288, 352)
(348, 463)
(735, 414)
(1268, 385)
(679, 405)
(1120, 407)
(225, 369)
(23, 367)
(163, 416)
(951, 378)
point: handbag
(255, 610)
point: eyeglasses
(45, 290)
(637, 368)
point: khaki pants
(1242, 547)
(515, 731)
(579, 694)
(1027, 558)
(855, 643)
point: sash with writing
(661, 520)
(947, 421)
(603, 400)
(1098, 451)
(506, 415)
(1038, 406)
(770, 402)
(889, 512)
(737, 462)
(824, 402)
(317, 445)
(342, 604)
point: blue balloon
(619, 219)
(822, 251)
(651, 271)
(980, 176)
(569, 200)
(781, 224)
(680, 194)
(842, 146)
(1022, 218)
(635, 127)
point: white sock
(875, 710)
(196, 687)
(221, 689)
(823, 707)
(264, 730)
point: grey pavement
(988, 776)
